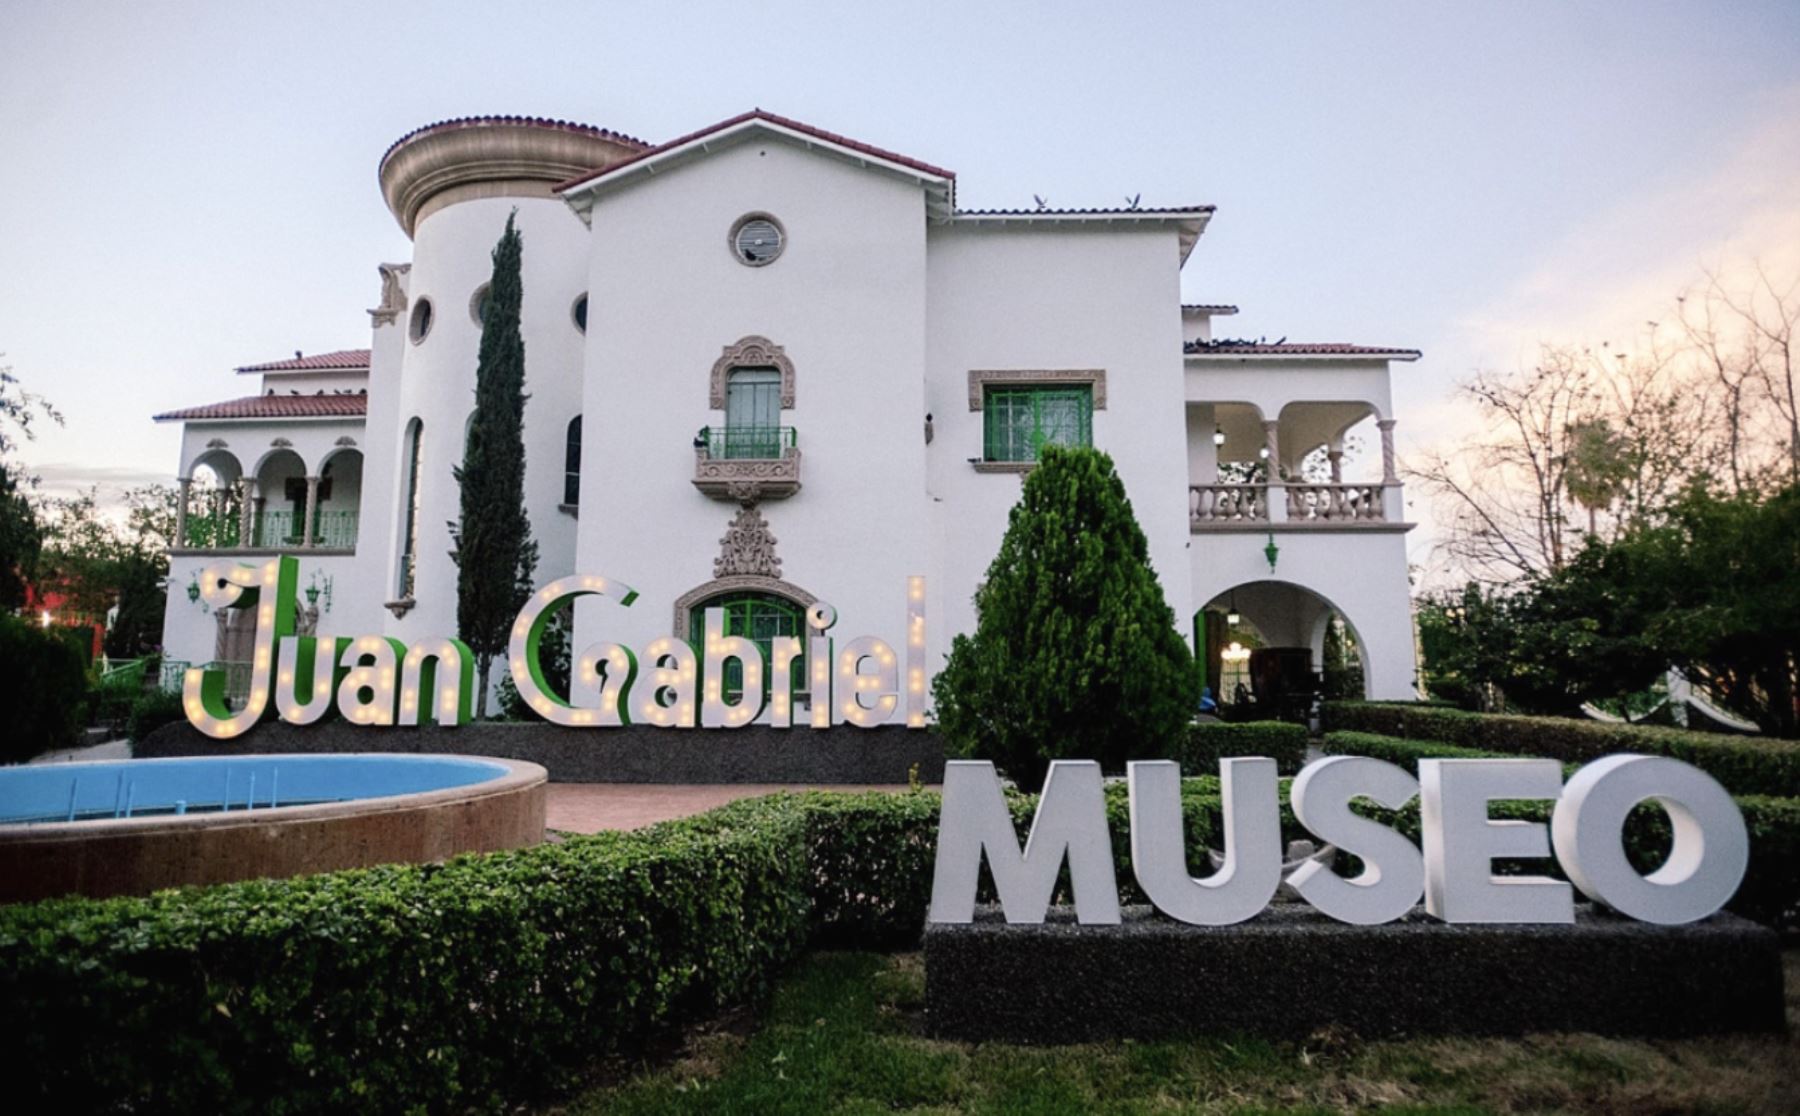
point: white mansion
(770, 365)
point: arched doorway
(1272, 649)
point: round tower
(451, 187)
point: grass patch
(845, 1033)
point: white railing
(1336, 503)
(1228, 503)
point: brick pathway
(592, 807)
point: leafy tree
(43, 687)
(1715, 592)
(21, 535)
(495, 554)
(1075, 653)
(21, 538)
(97, 559)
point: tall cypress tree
(1075, 652)
(495, 555)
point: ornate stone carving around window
(346, 440)
(980, 379)
(747, 562)
(747, 480)
(393, 294)
(751, 352)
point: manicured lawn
(844, 1033)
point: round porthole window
(757, 239)
(579, 313)
(421, 320)
(478, 305)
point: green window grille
(759, 617)
(752, 413)
(1018, 422)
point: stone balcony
(1295, 506)
(747, 464)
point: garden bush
(1208, 742)
(151, 710)
(1742, 764)
(43, 688)
(465, 985)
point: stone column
(246, 509)
(1389, 474)
(184, 487)
(1273, 444)
(312, 510)
(1336, 456)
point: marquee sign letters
(379, 680)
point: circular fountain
(133, 826)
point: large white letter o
(1705, 865)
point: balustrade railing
(1336, 503)
(1228, 503)
(748, 442)
(1223, 505)
(271, 530)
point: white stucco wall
(846, 301)
(1044, 299)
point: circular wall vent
(757, 240)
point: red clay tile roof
(533, 121)
(772, 118)
(1216, 308)
(342, 360)
(1115, 211)
(1230, 347)
(276, 406)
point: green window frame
(759, 617)
(1018, 422)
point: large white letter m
(1070, 823)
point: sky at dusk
(189, 187)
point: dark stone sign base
(635, 754)
(1291, 971)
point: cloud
(1622, 270)
(67, 478)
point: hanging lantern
(1231, 616)
(1218, 435)
(1271, 552)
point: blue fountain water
(66, 792)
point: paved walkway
(592, 807)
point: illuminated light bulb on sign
(915, 652)
(270, 589)
(523, 652)
(819, 619)
(366, 692)
(307, 689)
(669, 683)
(868, 677)
(446, 666)
(783, 651)
(721, 649)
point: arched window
(409, 537)
(572, 464)
(759, 617)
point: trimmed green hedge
(402, 987)
(1771, 889)
(1208, 742)
(1403, 753)
(460, 985)
(464, 985)
(1742, 764)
